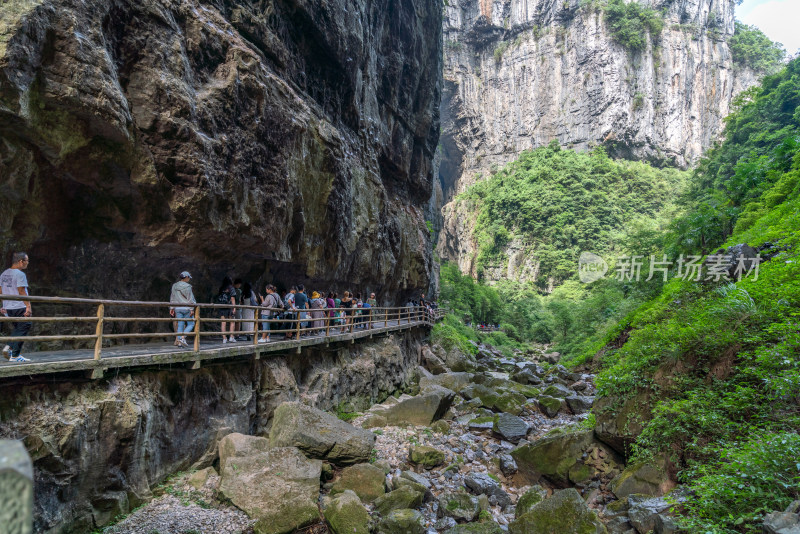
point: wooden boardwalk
(165, 353)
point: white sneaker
(184, 344)
(232, 339)
(18, 359)
(7, 352)
(224, 339)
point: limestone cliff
(285, 140)
(520, 73)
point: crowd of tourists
(240, 306)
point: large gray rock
(579, 404)
(399, 499)
(641, 478)
(432, 362)
(320, 434)
(423, 409)
(344, 514)
(238, 445)
(401, 521)
(483, 484)
(786, 522)
(553, 456)
(458, 505)
(452, 381)
(510, 427)
(278, 487)
(563, 513)
(644, 510)
(16, 487)
(365, 480)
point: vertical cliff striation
(278, 139)
(520, 73)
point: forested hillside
(701, 377)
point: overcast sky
(778, 19)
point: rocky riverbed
(483, 444)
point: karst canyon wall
(277, 140)
(521, 73)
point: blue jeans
(21, 329)
(184, 326)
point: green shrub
(630, 23)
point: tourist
(14, 282)
(301, 303)
(239, 297)
(373, 303)
(317, 305)
(249, 298)
(347, 304)
(331, 304)
(274, 305)
(227, 295)
(182, 294)
(291, 315)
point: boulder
(239, 445)
(510, 402)
(643, 511)
(553, 456)
(366, 480)
(550, 406)
(485, 422)
(525, 376)
(486, 395)
(278, 487)
(453, 381)
(417, 478)
(401, 498)
(579, 404)
(374, 421)
(510, 427)
(507, 465)
(620, 525)
(320, 435)
(403, 521)
(423, 409)
(620, 425)
(529, 499)
(459, 505)
(457, 361)
(432, 362)
(345, 514)
(487, 527)
(425, 456)
(483, 484)
(558, 390)
(198, 479)
(563, 513)
(787, 522)
(529, 392)
(400, 482)
(642, 478)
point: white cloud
(778, 19)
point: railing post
(297, 333)
(197, 328)
(98, 332)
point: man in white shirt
(14, 282)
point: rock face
(278, 487)
(281, 141)
(142, 427)
(520, 73)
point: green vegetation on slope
(630, 23)
(752, 49)
(722, 360)
(558, 203)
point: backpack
(276, 303)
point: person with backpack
(274, 305)
(227, 296)
(290, 313)
(301, 303)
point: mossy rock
(440, 426)
(485, 422)
(558, 390)
(479, 391)
(529, 499)
(643, 478)
(402, 521)
(552, 456)
(327, 471)
(459, 505)
(400, 482)
(425, 456)
(487, 527)
(510, 402)
(563, 513)
(366, 480)
(402, 497)
(374, 421)
(530, 392)
(198, 479)
(619, 425)
(550, 406)
(345, 514)
(580, 473)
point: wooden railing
(323, 322)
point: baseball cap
(185, 274)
